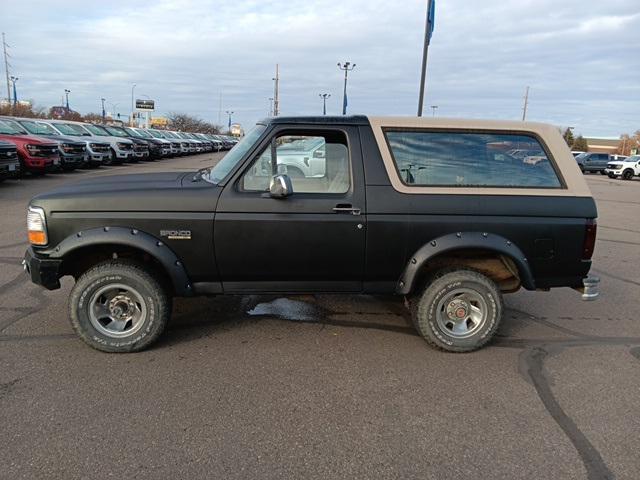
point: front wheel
(627, 174)
(458, 311)
(119, 306)
(611, 175)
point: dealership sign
(148, 105)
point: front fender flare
(464, 240)
(131, 238)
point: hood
(63, 139)
(28, 139)
(145, 192)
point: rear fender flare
(464, 240)
(131, 238)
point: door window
(316, 163)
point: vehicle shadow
(196, 318)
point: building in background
(602, 145)
(236, 130)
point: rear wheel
(627, 174)
(119, 306)
(458, 311)
(611, 175)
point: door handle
(346, 208)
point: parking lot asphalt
(325, 386)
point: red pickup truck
(36, 154)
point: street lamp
(132, 106)
(347, 67)
(270, 106)
(433, 110)
(324, 97)
(15, 96)
(104, 114)
(229, 112)
(66, 93)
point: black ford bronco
(439, 211)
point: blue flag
(15, 95)
(432, 18)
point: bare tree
(188, 123)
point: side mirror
(280, 186)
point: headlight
(123, 145)
(36, 226)
(32, 148)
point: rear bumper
(43, 271)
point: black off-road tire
(425, 304)
(627, 174)
(611, 175)
(602, 172)
(155, 297)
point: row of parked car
(38, 146)
(615, 166)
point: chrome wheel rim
(117, 310)
(461, 313)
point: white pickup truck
(627, 168)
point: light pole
(324, 97)
(104, 114)
(347, 67)
(66, 94)
(433, 110)
(428, 31)
(132, 106)
(15, 95)
(270, 106)
(229, 112)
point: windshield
(38, 128)
(117, 131)
(170, 135)
(581, 156)
(231, 159)
(71, 129)
(138, 133)
(97, 130)
(65, 129)
(155, 133)
(9, 129)
(633, 158)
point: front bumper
(612, 171)
(124, 153)
(43, 271)
(10, 170)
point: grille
(9, 153)
(45, 151)
(72, 148)
(138, 147)
(100, 147)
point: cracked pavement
(329, 386)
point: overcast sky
(580, 58)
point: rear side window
(468, 159)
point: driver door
(312, 240)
